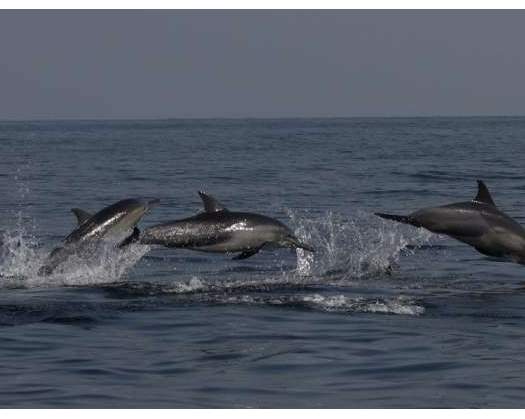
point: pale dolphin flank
(219, 230)
(112, 223)
(478, 223)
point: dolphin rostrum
(478, 223)
(110, 224)
(222, 231)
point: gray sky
(180, 64)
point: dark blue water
(383, 315)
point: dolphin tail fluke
(399, 218)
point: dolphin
(219, 230)
(478, 223)
(110, 224)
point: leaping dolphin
(219, 230)
(478, 223)
(109, 224)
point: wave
(336, 303)
(269, 292)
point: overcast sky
(178, 64)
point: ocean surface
(382, 315)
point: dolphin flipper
(247, 253)
(133, 237)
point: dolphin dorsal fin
(82, 216)
(483, 194)
(210, 203)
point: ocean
(382, 315)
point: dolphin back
(99, 223)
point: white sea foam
(181, 287)
(335, 303)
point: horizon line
(239, 118)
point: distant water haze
(208, 64)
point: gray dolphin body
(110, 225)
(222, 231)
(478, 223)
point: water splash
(19, 254)
(108, 264)
(21, 258)
(360, 247)
(348, 249)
